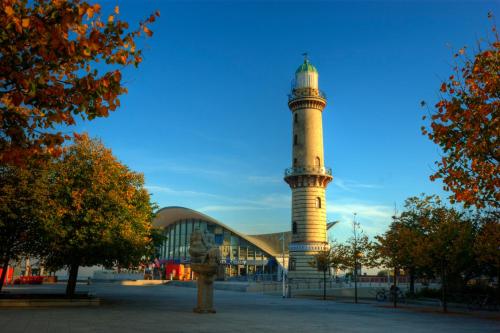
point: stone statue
(205, 261)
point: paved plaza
(166, 308)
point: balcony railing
(306, 92)
(309, 169)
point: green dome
(306, 67)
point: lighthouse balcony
(306, 92)
(308, 170)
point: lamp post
(355, 273)
(283, 264)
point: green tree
(24, 210)
(487, 247)
(103, 214)
(445, 242)
(50, 55)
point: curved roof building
(242, 254)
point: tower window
(318, 202)
(294, 162)
(292, 264)
(295, 119)
(295, 140)
(294, 228)
(317, 161)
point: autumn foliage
(60, 60)
(102, 212)
(466, 125)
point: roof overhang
(170, 215)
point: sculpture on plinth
(205, 261)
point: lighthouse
(307, 177)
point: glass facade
(239, 257)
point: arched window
(294, 162)
(294, 227)
(317, 161)
(295, 118)
(295, 140)
(318, 202)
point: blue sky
(206, 117)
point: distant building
(254, 256)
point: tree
(24, 210)
(487, 247)
(396, 249)
(322, 261)
(355, 254)
(466, 125)
(50, 55)
(103, 212)
(445, 239)
(448, 247)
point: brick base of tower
(303, 269)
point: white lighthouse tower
(308, 176)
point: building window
(294, 227)
(295, 119)
(318, 202)
(291, 266)
(294, 162)
(295, 140)
(317, 161)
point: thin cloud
(187, 193)
(275, 201)
(361, 209)
(264, 179)
(227, 208)
(373, 217)
(352, 186)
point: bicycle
(483, 302)
(383, 295)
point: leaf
(147, 31)
(25, 22)
(111, 18)
(9, 11)
(90, 12)
(117, 10)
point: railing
(306, 92)
(308, 169)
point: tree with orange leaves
(50, 52)
(102, 213)
(466, 125)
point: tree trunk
(412, 281)
(73, 274)
(394, 290)
(355, 283)
(443, 287)
(5, 267)
(324, 285)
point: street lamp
(283, 264)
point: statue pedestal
(206, 275)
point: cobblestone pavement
(169, 309)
